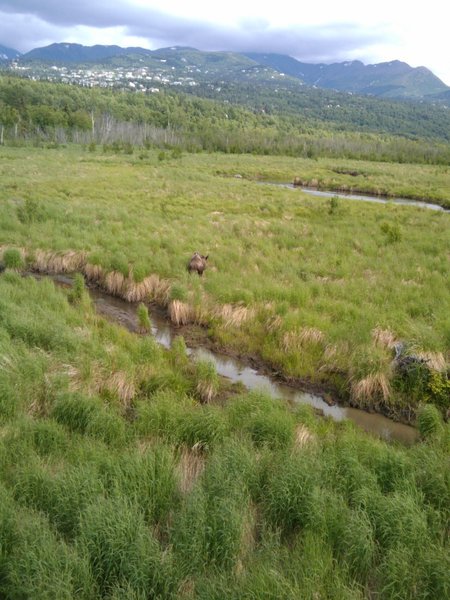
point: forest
(240, 120)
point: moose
(197, 263)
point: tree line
(66, 113)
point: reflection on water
(237, 371)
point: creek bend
(358, 196)
(236, 370)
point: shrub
(439, 389)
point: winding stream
(361, 197)
(236, 370)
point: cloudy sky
(314, 31)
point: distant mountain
(175, 56)
(77, 53)
(393, 79)
(176, 61)
(7, 54)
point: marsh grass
(190, 466)
(42, 566)
(429, 421)
(344, 282)
(207, 380)
(13, 259)
(78, 291)
(144, 321)
(180, 313)
(131, 487)
(263, 420)
(120, 550)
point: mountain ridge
(386, 79)
(393, 79)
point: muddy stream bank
(240, 370)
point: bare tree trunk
(1, 135)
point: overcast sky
(314, 31)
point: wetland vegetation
(117, 480)
(319, 290)
(132, 471)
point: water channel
(236, 370)
(360, 197)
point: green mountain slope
(393, 79)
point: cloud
(25, 24)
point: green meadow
(127, 473)
(319, 289)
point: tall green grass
(169, 497)
(276, 252)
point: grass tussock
(303, 436)
(207, 380)
(234, 316)
(180, 313)
(429, 421)
(94, 273)
(191, 465)
(144, 322)
(115, 283)
(139, 291)
(159, 289)
(55, 262)
(121, 385)
(384, 338)
(296, 340)
(14, 258)
(371, 390)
